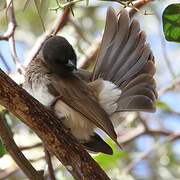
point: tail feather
(126, 60)
(138, 90)
(136, 103)
(135, 68)
(138, 79)
(110, 29)
(142, 80)
(148, 68)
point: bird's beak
(70, 64)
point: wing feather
(79, 96)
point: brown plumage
(122, 80)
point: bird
(122, 80)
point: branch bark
(56, 138)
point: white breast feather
(40, 92)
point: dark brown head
(59, 55)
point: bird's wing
(126, 60)
(78, 95)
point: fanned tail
(126, 60)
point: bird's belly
(80, 126)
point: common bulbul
(122, 80)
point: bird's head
(59, 55)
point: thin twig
(137, 5)
(15, 152)
(8, 172)
(8, 6)
(4, 174)
(143, 121)
(18, 64)
(49, 163)
(11, 170)
(170, 87)
(62, 20)
(11, 26)
(157, 145)
(10, 36)
(132, 133)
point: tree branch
(173, 86)
(62, 21)
(57, 139)
(9, 35)
(133, 133)
(8, 172)
(49, 163)
(156, 145)
(14, 151)
(11, 26)
(137, 5)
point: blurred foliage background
(149, 154)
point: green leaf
(2, 150)
(171, 22)
(106, 161)
(162, 105)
